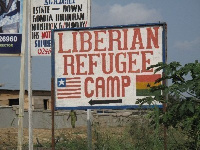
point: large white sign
(55, 14)
(106, 66)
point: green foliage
(135, 136)
(182, 97)
(106, 139)
(72, 144)
(144, 135)
(139, 134)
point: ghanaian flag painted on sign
(144, 82)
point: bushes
(138, 134)
(183, 101)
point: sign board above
(10, 43)
(106, 67)
(10, 24)
(48, 14)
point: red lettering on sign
(42, 51)
(125, 31)
(74, 42)
(132, 62)
(117, 63)
(46, 34)
(92, 63)
(100, 85)
(111, 83)
(97, 40)
(105, 61)
(137, 35)
(126, 62)
(87, 94)
(126, 81)
(68, 63)
(106, 86)
(80, 64)
(61, 44)
(145, 60)
(84, 41)
(112, 39)
(150, 36)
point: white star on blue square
(61, 82)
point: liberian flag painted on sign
(68, 88)
(144, 82)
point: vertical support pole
(30, 111)
(89, 125)
(52, 111)
(22, 77)
(89, 129)
(30, 108)
(165, 129)
(166, 84)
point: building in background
(41, 99)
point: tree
(182, 98)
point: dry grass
(9, 136)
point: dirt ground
(8, 136)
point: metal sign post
(89, 129)
(30, 108)
(89, 114)
(22, 75)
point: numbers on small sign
(44, 51)
(8, 38)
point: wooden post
(166, 84)
(52, 112)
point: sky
(183, 34)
